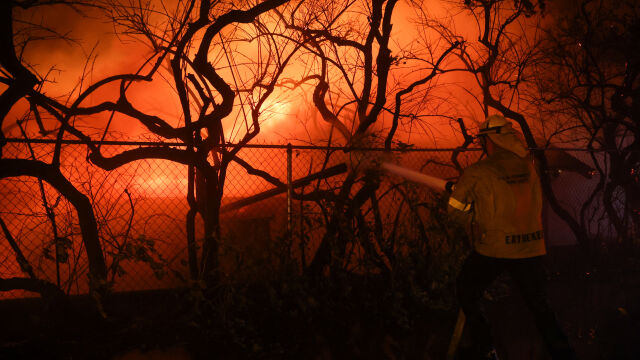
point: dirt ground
(598, 306)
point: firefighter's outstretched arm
(460, 205)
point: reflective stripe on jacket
(502, 196)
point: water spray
(363, 160)
(416, 176)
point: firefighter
(500, 198)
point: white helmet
(502, 133)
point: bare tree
(591, 82)
(353, 73)
(21, 83)
(212, 53)
(500, 63)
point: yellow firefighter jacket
(501, 196)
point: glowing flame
(275, 112)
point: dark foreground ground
(598, 306)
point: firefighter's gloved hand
(449, 186)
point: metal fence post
(190, 220)
(289, 192)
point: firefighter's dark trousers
(478, 272)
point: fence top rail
(230, 145)
(286, 146)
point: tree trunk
(86, 217)
(208, 200)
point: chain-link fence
(141, 209)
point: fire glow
(197, 85)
